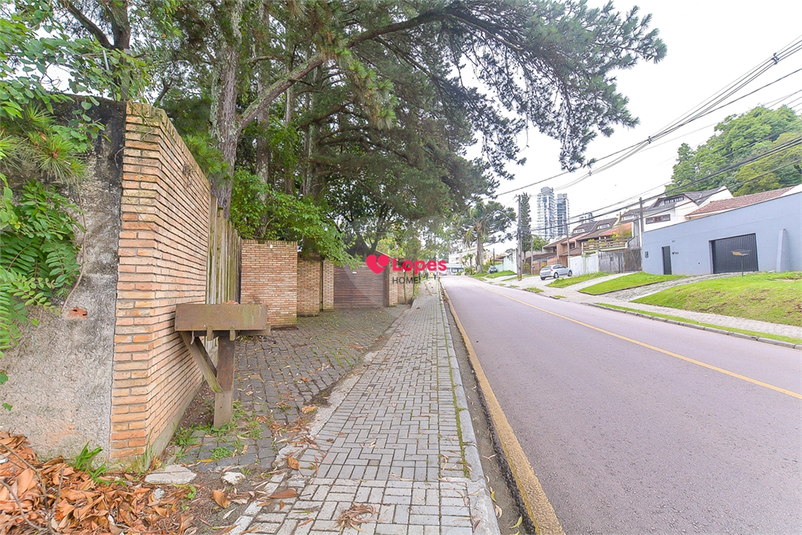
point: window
(604, 226)
(671, 200)
(658, 219)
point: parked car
(556, 271)
(492, 269)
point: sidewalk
(624, 298)
(393, 453)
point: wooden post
(224, 401)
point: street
(638, 426)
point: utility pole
(640, 223)
(520, 254)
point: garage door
(738, 253)
(359, 288)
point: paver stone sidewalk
(387, 453)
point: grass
(632, 280)
(534, 290)
(505, 273)
(570, 281)
(772, 297)
(686, 320)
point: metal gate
(667, 260)
(359, 288)
(738, 253)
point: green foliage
(85, 460)
(260, 212)
(37, 256)
(221, 452)
(484, 223)
(737, 139)
(538, 243)
(208, 158)
(33, 40)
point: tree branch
(90, 26)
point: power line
(622, 205)
(705, 108)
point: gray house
(759, 235)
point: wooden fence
(225, 257)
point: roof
(698, 197)
(595, 231)
(622, 228)
(739, 202)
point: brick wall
(309, 287)
(328, 285)
(399, 289)
(392, 291)
(162, 262)
(270, 277)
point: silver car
(556, 271)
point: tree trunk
(225, 127)
(263, 153)
(480, 253)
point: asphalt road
(637, 426)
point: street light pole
(520, 255)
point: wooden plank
(224, 401)
(201, 357)
(221, 317)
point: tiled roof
(738, 202)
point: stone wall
(270, 277)
(60, 373)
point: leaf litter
(53, 496)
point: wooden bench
(224, 322)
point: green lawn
(632, 280)
(570, 281)
(686, 320)
(506, 273)
(774, 297)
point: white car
(556, 271)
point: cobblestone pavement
(624, 298)
(280, 374)
(394, 452)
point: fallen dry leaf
(220, 498)
(283, 495)
(293, 463)
(306, 409)
(351, 517)
(73, 503)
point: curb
(479, 496)
(536, 505)
(771, 341)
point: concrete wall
(111, 371)
(270, 277)
(60, 374)
(690, 241)
(164, 244)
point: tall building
(546, 215)
(562, 214)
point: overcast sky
(711, 43)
